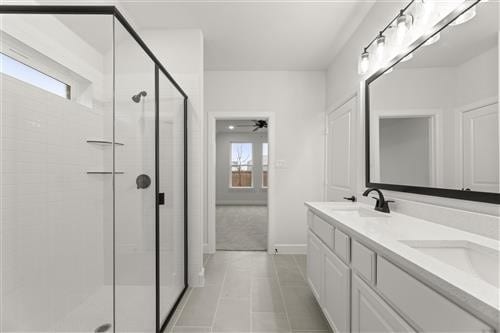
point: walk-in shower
(93, 175)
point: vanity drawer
(342, 245)
(324, 231)
(310, 219)
(364, 261)
(422, 305)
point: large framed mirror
(432, 115)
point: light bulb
(433, 39)
(231, 127)
(380, 41)
(465, 17)
(364, 62)
(428, 7)
(408, 57)
(403, 24)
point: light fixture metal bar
(401, 12)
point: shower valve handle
(161, 198)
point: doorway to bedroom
(241, 198)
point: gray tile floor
(251, 292)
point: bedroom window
(241, 165)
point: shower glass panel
(135, 206)
(171, 188)
(92, 131)
(56, 202)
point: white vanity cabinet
(361, 291)
(371, 314)
(335, 298)
(315, 265)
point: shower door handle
(161, 198)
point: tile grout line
(281, 294)
(220, 297)
(298, 267)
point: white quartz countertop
(385, 234)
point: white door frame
(435, 117)
(211, 171)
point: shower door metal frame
(160, 324)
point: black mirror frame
(487, 197)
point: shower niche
(86, 109)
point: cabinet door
(336, 292)
(315, 265)
(371, 314)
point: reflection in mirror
(434, 118)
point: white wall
(297, 101)
(404, 151)
(343, 81)
(225, 195)
(181, 52)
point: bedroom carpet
(241, 228)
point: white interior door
(481, 145)
(341, 154)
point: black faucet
(381, 205)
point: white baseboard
(197, 280)
(289, 248)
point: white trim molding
(436, 140)
(211, 171)
(291, 248)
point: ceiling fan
(258, 124)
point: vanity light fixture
(364, 62)
(403, 23)
(427, 10)
(465, 17)
(380, 42)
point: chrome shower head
(137, 98)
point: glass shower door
(134, 232)
(171, 188)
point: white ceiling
(258, 35)
(240, 126)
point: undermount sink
(469, 257)
(358, 211)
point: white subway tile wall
(52, 210)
